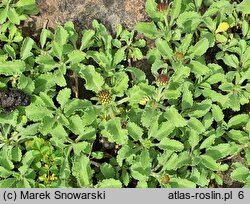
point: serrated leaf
(215, 96)
(164, 48)
(94, 80)
(59, 78)
(86, 39)
(238, 136)
(193, 138)
(125, 177)
(26, 84)
(171, 94)
(245, 58)
(14, 67)
(238, 120)
(26, 48)
(164, 130)
(207, 120)
(10, 50)
(103, 59)
(16, 154)
(198, 68)
(23, 183)
(5, 157)
(145, 159)
(196, 125)
(170, 144)
(215, 78)
(59, 136)
(174, 117)
(210, 163)
(63, 96)
(243, 7)
(46, 61)
(134, 131)
(89, 116)
(136, 53)
(139, 173)
(123, 153)
(217, 113)
(139, 92)
(88, 134)
(208, 142)
(231, 60)
(109, 183)
(199, 48)
(114, 132)
(25, 3)
(247, 155)
(76, 124)
(149, 29)
(171, 161)
(119, 56)
(75, 105)
(200, 109)
(65, 170)
(13, 16)
(175, 11)
(186, 41)
(47, 100)
(4, 173)
(61, 35)
(81, 147)
(148, 115)
(184, 159)
(76, 56)
(3, 14)
(137, 74)
(220, 38)
(8, 183)
(28, 158)
(43, 37)
(188, 21)
(240, 174)
(121, 83)
(82, 171)
(57, 49)
(217, 6)
(181, 72)
(181, 183)
(10, 118)
(222, 150)
(37, 113)
(107, 170)
(187, 98)
(151, 10)
(233, 102)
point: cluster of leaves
(188, 128)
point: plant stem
(124, 100)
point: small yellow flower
(144, 101)
(179, 56)
(162, 79)
(165, 179)
(223, 27)
(104, 97)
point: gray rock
(82, 13)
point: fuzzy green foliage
(185, 129)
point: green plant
(188, 128)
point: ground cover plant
(77, 112)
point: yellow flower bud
(144, 101)
(223, 27)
